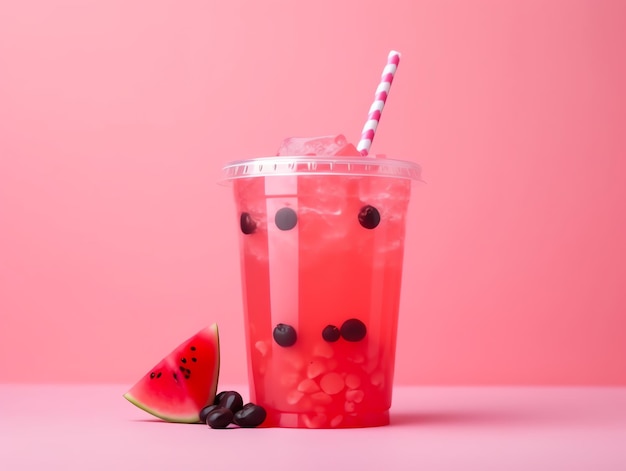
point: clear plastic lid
(317, 165)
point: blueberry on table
(331, 333)
(219, 397)
(353, 330)
(231, 400)
(220, 418)
(206, 411)
(369, 217)
(250, 416)
(285, 335)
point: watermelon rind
(183, 418)
(191, 419)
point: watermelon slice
(183, 382)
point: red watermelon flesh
(183, 382)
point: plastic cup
(321, 249)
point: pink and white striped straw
(373, 117)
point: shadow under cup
(321, 247)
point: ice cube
(353, 381)
(321, 145)
(293, 397)
(332, 383)
(323, 350)
(315, 369)
(355, 395)
(262, 347)
(336, 421)
(317, 421)
(321, 398)
(308, 386)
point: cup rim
(321, 165)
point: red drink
(322, 244)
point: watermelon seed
(193, 349)
(186, 376)
(159, 374)
(188, 371)
(152, 375)
(194, 359)
(184, 360)
(181, 368)
(175, 377)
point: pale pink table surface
(91, 427)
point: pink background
(115, 118)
